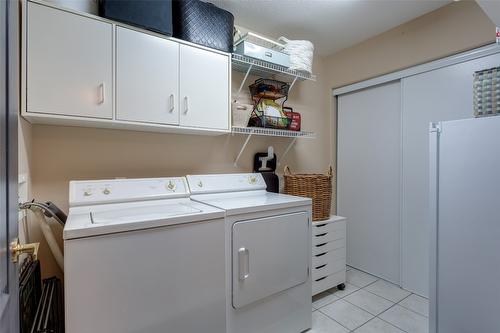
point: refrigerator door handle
(435, 132)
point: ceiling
(331, 25)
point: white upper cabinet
(84, 70)
(69, 64)
(147, 78)
(204, 88)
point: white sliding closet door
(368, 186)
(441, 94)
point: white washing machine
(140, 256)
(268, 253)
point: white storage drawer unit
(328, 254)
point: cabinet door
(147, 78)
(204, 88)
(69, 63)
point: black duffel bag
(203, 23)
(154, 15)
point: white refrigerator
(465, 227)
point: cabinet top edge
(332, 219)
(123, 25)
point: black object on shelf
(154, 15)
(50, 312)
(30, 291)
(203, 23)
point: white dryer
(140, 256)
(268, 253)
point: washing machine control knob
(106, 191)
(87, 192)
(171, 185)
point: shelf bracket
(243, 82)
(287, 150)
(242, 149)
(292, 84)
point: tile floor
(369, 305)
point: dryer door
(269, 255)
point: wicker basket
(318, 187)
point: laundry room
(266, 166)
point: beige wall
(24, 147)
(451, 29)
(24, 163)
(456, 27)
(60, 154)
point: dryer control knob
(106, 191)
(87, 193)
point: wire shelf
(273, 132)
(266, 69)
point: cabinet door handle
(243, 263)
(171, 100)
(101, 93)
(186, 106)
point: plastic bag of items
(301, 54)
